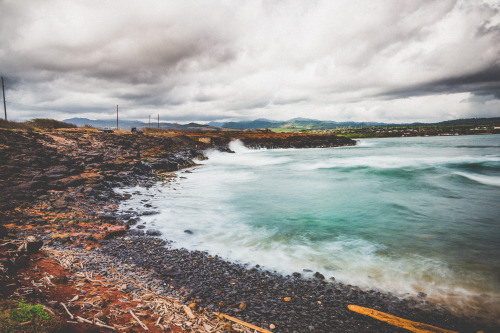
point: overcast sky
(359, 60)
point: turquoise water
(401, 215)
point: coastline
(215, 285)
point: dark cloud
(483, 82)
(247, 59)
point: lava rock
(153, 232)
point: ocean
(409, 216)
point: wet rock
(189, 232)
(3, 231)
(21, 261)
(149, 213)
(33, 245)
(153, 232)
(319, 276)
(107, 217)
(135, 232)
(59, 204)
(56, 172)
(60, 279)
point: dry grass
(35, 124)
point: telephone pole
(158, 121)
(117, 117)
(4, 105)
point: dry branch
(241, 322)
(67, 311)
(84, 320)
(139, 321)
(188, 312)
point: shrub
(12, 124)
(34, 317)
(25, 312)
(37, 123)
(43, 123)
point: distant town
(406, 131)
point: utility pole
(4, 105)
(149, 123)
(117, 117)
(158, 121)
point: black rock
(3, 231)
(33, 247)
(60, 278)
(153, 232)
(21, 261)
(135, 232)
(189, 232)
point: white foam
(486, 180)
(243, 157)
(393, 162)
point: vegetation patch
(20, 316)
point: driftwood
(139, 321)
(84, 320)
(412, 326)
(241, 322)
(67, 311)
(169, 311)
(188, 311)
(95, 322)
(101, 324)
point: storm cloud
(357, 60)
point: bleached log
(67, 311)
(241, 322)
(139, 321)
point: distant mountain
(471, 122)
(255, 124)
(261, 123)
(296, 123)
(216, 123)
(313, 124)
(128, 124)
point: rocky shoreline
(59, 187)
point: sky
(342, 60)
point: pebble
(293, 303)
